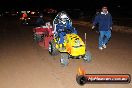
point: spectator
(40, 20)
(104, 20)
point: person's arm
(55, 22)
(111, 23)
(37, 22)
(43, 21)
(54, 28)
(69, 25)
(95, 21)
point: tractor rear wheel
(37, 38)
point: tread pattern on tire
(54, 50)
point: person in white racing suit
(61, 24)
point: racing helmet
(63, 17)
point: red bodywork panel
(47, 39)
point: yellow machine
(73, 47)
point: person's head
(41, 15)
(47, 24)
(104, 9)
(63, 16)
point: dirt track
(24, 64)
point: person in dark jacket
(104, 20)
(40, 21)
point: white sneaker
(104, 46)
(100, 48)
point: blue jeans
(74, 30)
(61, 36)
(104, 37)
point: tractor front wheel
(64, 59)
(87, 57)
(52, 48)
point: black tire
(87, 57)
(37, 38)
(81, 80)
(64, 59)
(52, 48)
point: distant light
(118, 6)
(6, 12)
(28, 11)
(23, 11)
(32, 12)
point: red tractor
(43, 35)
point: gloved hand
(53, 32)
(110, 28)
(93, 27)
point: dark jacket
(104, 21)
(60, 26)
(40, 21)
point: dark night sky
(63, 3)
(113, 5)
